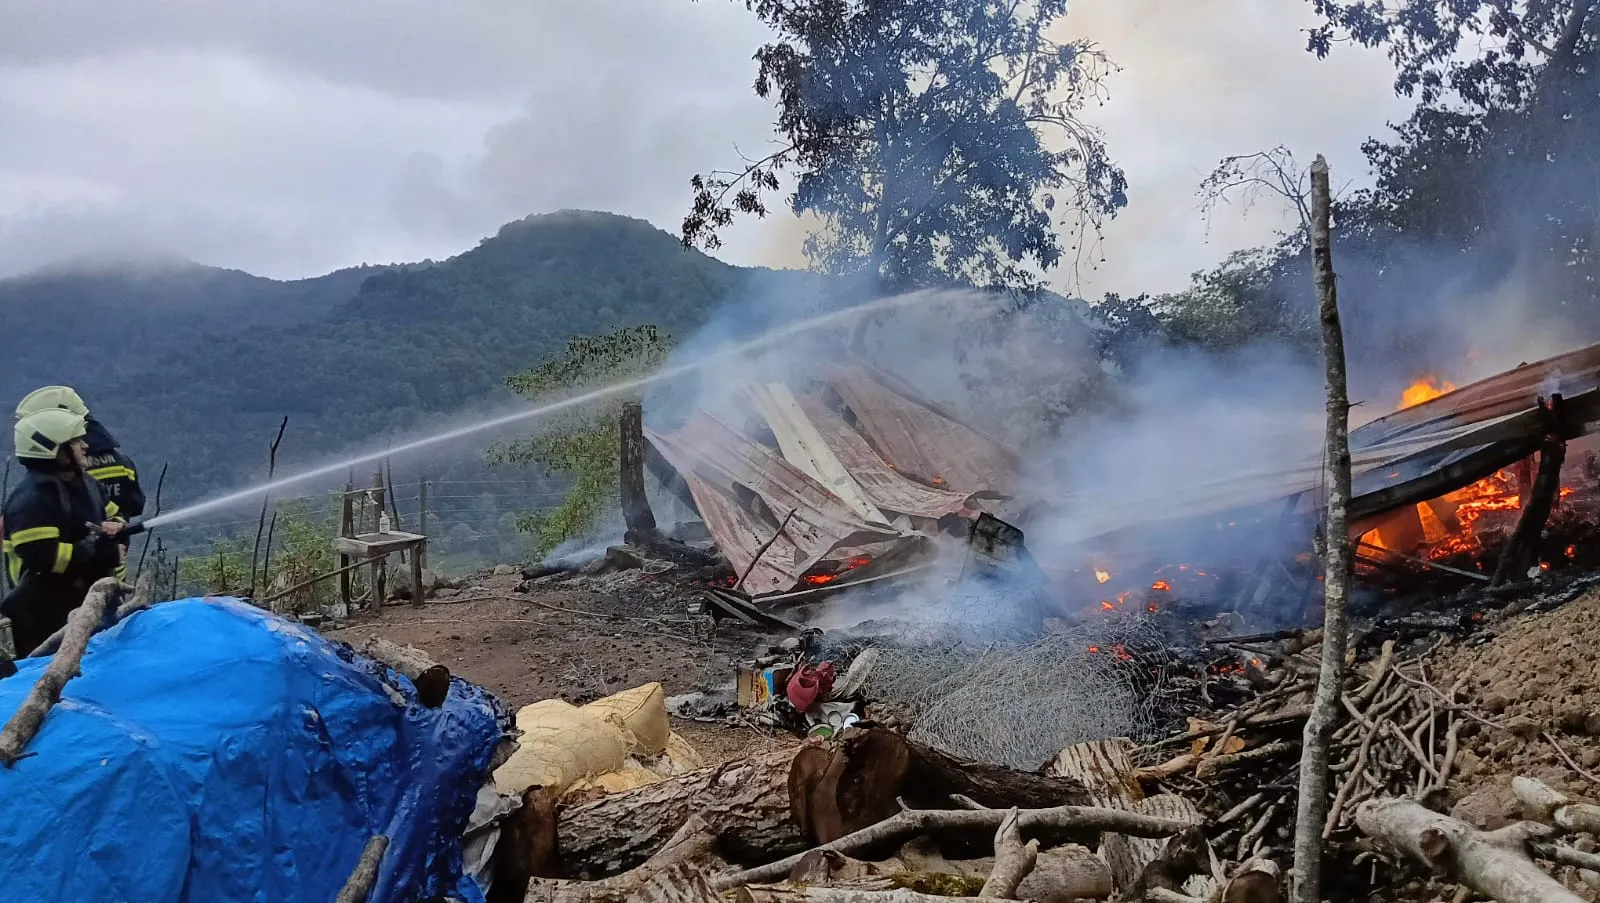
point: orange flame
(1161, 586)
(1101, 576)
(1424, 389)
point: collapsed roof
(1404, 458)
(859, 467)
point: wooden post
(1522, 551)
(422, 517)
(418, 591)
(636, 513)
(346, 528)
(1337, 562)
(376, 579)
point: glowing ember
(1107, 606)
(1161, 586)
(1102, 576)
(1425, 389)
(818, 579)
(1449, 524)
(1572, 551)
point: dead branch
(1493, 863)
(141, 599)
(359, 885)
(1565, 855)
(81, 624)
(1210, 766)
(1549, 806)
(1013, 859)
(1312, 813)
(921, 821)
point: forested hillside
(196, 366)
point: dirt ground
(576, 645)
(1538, 678)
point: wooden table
(377, 547)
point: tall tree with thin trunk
(1313, 808)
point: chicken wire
(1020, 703)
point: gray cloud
(293, 137)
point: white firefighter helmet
(52, 398)
(40, 434)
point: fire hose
(133, 527)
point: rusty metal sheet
(744, 491)
(920, 442)
(804, 447)
(885, 486)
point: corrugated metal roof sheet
(726, 473)
(920, 442)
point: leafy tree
(300, 551)
(583, 443)
(1496, 163)
(933, 139)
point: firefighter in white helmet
(107, 463)
(60, 531)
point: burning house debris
(852, 482)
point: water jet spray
(734, 350)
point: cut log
(1128, 857)
(782, 803)
(431, 679)
(1103, 767)
(871, 771)
(675, 874)
(1545, 804)
(1256, 881)
(746, 803)
(359, 885)
(527, 847)
(1494, 863)
(81, 624)
(935, 776)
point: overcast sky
(291, 137)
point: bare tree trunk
(636, 513)
(1313, 804)
(1493, 863)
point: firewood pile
(1207, 814)
(875, 817)
(1399, 738)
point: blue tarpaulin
(212, 752)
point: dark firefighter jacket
(114, 470)
(51, 555)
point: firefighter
(114, 470)
(60, 530)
